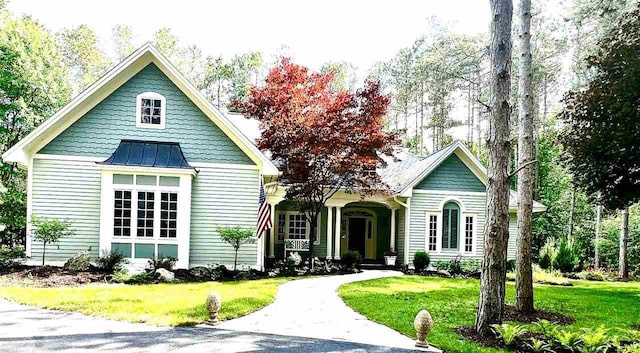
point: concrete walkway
(307, 316)
(312, 308)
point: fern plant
(546, 327)
(509, 333)
(594, 340)
(539, 346)
(630, 335)
(632, 348)
(567, 339)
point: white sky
(360, 32)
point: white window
(450, 226)
(469, 228)
(150, 110)
(294, 225)
(432, 232)
(147, 207)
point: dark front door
(357, 228)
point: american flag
(264, 213)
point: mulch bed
(511, 314)
(49, 276)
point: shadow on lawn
(195, 339)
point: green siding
(452, 174)
(99, 131)
(222, 197)
(68, 190)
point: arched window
(450, 226)
(150, 110)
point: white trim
(453, 199)
(427, 230)
(329, 232)
(147, 170)
(448, 192)
(338, 233)
(29, 238)
(163, 110)
(407, 229)
(62, 157)
(183, 220)
(474, 233)
(223, 165)
(111, 81)
(392, 236)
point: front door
(357, 231)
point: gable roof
(406, 171)
(107, 84)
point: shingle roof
(148, 154)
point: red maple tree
(323, 140)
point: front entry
(357, 229)
(360, 226)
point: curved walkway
(312, 308)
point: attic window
(150, 110)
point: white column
(272, 232)
(337, 236)
(329, 232)
(392, 241)
(407, 230)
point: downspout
(406, 227)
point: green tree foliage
(344, 75)
(33, 85)
(610, 242)
(243, 66)
(217, 76)
(236, 237)
(50, 231)
(564, 259)
(122, 37)
(602, 135)
(82, 54)
(188, 60)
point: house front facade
(142, 164)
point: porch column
(337, 237)
(392, 241)
(272, 231)
(329, 232)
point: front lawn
(452, 302)
(157, 304)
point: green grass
(156, 304)
(452, 302)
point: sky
(359, 32)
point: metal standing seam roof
(148, 154)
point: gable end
(452, 175)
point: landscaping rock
(78, 262)
(165, 275)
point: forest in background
(438, 89)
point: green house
(141, 163)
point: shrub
(539, 346)
(78, 262)
(141, 278)
(509, 333)
(111, 261)
(547, 253)
(566, 339)
(8, 256)
(120, 276)
(511, 265)
(565, 259)
(421, 261)
(546, 327)
(595, 275)
(634, 348)
(594, 340)
(351, 259)
(470, 266)
(168, 263)
(236, 236)
(50, 231)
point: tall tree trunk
(624, 239)
(597, 241)
(496, 229)
(421, 118)
(571, 213)
(524, 258)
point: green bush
(111, 261)
(547, 253)
(168, 263)
(421, 261)
(565, 259)
(511, 265)
(351, 259)
(78, 262)
(9, 256)
(509, 333)
(592, 275)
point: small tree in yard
(324, 140)
(236, 236)
(50, 231)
